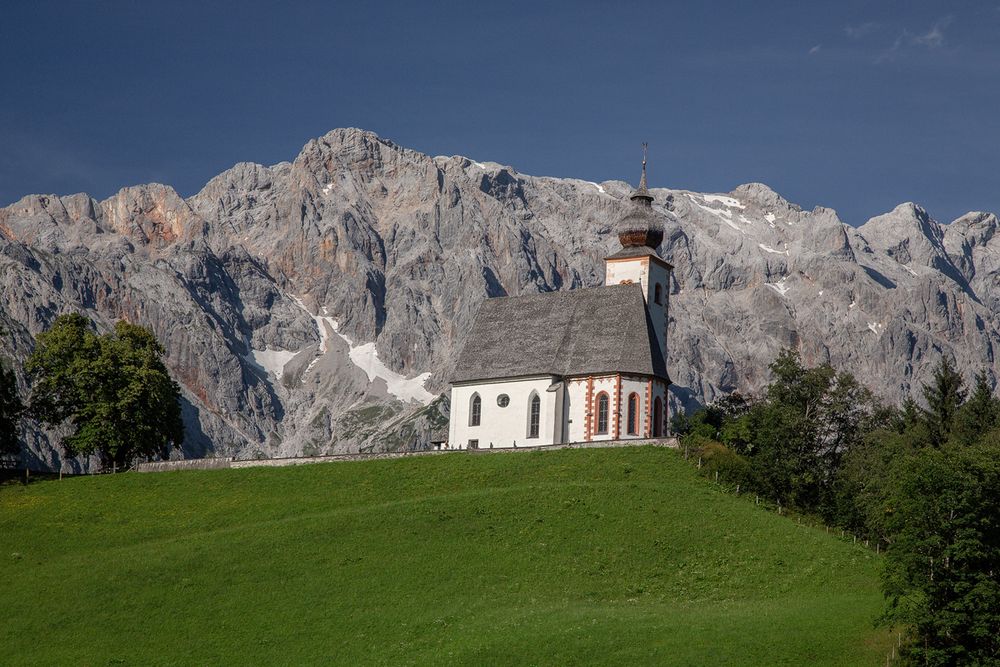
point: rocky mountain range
(318, 306)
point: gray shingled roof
(577, 332)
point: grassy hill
(607, 556)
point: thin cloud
(934, 38)
(859, 31)
(814, 50)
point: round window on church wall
(503, 400)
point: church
(575, 366)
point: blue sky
(855, 105)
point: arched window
(658, 294)
(602, 412)
(657, 417)
(534, 415)
(475, 410)
(633, 414)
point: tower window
(633, 414)
(602, 413)
(534, 415)
(658, 294)
(475, 410)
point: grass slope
(607, 556)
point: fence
(216, 463)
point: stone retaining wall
(209, 464)
(186, 464)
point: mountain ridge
(356, 268)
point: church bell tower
(640, 232)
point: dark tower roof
(641, 226)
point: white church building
(573, 366)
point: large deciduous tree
(114, 389)
(799, 434)
(11, 410)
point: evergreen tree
(910, 415)
(941, 564)
(979, 414)
(944, 397)
(11, 410)
(114, 390)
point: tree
(782, 451)
(979, 414)
(944, 396)
(11, 410)
(798, 435)
(680, 423)
(867, 481)
(114, 389)
(909, 416)
(940, 568)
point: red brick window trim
(632, 420)
(603, 409)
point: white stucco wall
(649, 273)
(503, 427)
(563, 411)
(577, 407)
(576, 402)
(645, 422)
(659, 275)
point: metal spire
(642, 181)
(642, 192)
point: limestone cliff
(317, 306)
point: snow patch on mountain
(722, 214)
(767, 248)
(365, 357)
(780, 287)
(271, 361)
(725, 201)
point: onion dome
(640, 226)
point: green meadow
(601, 556)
